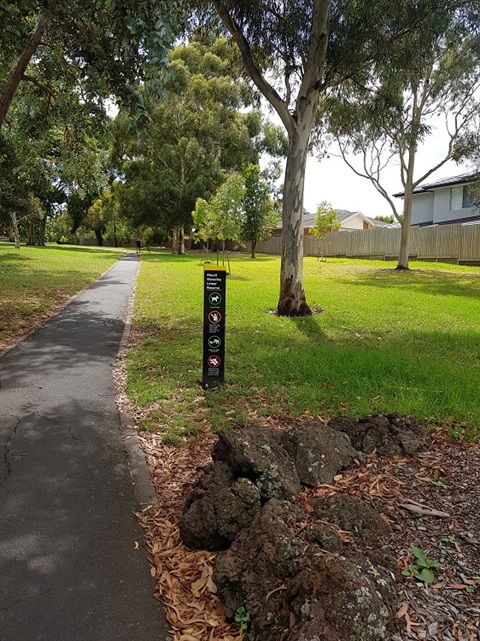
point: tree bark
(254, 244)
(402, 264)
(181, 240)
(292, 301)
(174, 240)
(15, 78)
(298, 124)
(31, 230)
(99, 237)
(16, 235)
(407, 202)
(41, 235)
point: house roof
(461, 179)
(342, 216)
(470, 220)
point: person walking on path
(138, 245)
(72, 563)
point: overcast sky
(332, 179)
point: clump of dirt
(387, 434)
(288, 565)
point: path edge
(51, 315)
(144, 489)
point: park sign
(214, 326)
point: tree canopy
(201, 131)
(296, 52)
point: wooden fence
(451, 243)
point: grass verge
(36, 281)
(386, 341)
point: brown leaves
(184, 577)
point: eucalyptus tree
(430, 89)
(110, 46)
(295, 51)
(204, 128)
(259, 217)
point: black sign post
(214, 326)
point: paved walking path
(72, 563)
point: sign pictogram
(214, 342)
(214, 361)
(215, 299)
(215, 316)
(214, 326)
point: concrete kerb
(144, 490)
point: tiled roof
(461, 179)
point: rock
(258, 561)
(354, 516)
(218, 508)
(388, 434)
(319, 452)
(297, 592)
(256, 453)
(325, 536)
(341, 599)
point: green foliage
(111, 47)
(226, 209)
(422, 568)
(259, 217)
(196, 136)
(385, 219)
(325, 220)
(467, 433)
(242, 616)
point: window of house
(460, 198)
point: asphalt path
(72, 563)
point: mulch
(431, 502)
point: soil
(430, 500)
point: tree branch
(40, 86)
(254, 72)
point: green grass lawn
(36, 280)
(386, 341)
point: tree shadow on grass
(465, 284)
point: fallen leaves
(184, 577)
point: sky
(332, 179)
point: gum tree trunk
(16, 235)
(18, 72)
(407, 210)
(292, 301)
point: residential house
(349, 221)
(444, 201)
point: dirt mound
(321, 571)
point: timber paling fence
(444, 243)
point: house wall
(423, 208)
(356, 222)
(442, 211)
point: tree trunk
(99, 237)
(8, 92)
(254, 244)
(16, 235)
(402, 264)
(31, 230)
(407, 210)
(181, 240)
(174, 240)
(292, 301)
(41, 235)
